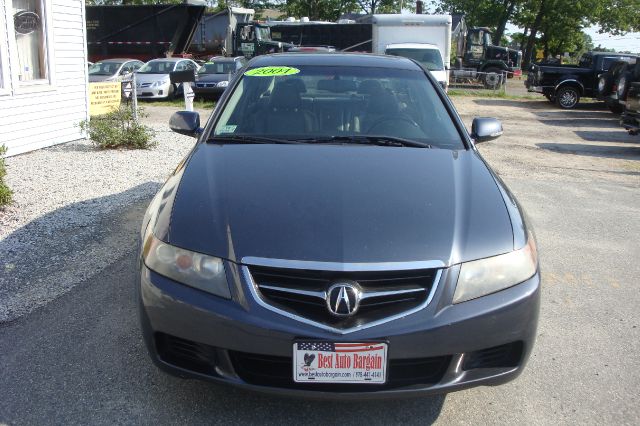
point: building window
(30, 35)
(1, 71)
(4, 55)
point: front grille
(303, 292)
(264, 370)
(186, 354)
(503, 356)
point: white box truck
(414, 36)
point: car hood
(336, 203)
(150, 78)
(99, 78)
(211, 78)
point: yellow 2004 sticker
(271, 71)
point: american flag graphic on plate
(339, 362)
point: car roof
(170, 59)
(613, 54)
(119, 60)
(225, 58)
(335, 59)
(411, 46)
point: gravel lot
(61, 196)
(67, 247)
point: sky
(629, 41)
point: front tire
(172, 93)
(567, 97)
(493, 78)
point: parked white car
(113, 69)
(427, 55)
(153, 78)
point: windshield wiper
(369, 140)
(250, 139)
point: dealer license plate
(329, 362)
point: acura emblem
(343, 299)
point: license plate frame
(328, 362)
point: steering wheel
(396, 119)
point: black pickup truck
(631, 117)
(564, 85)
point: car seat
(381, 104)
(285, 113)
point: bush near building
(5, 192)
(118, 129)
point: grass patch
(198, 103)
(489, 94)
(5, 191)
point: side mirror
(485, 129)
(185, 123)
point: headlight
(224, 83)
(485, 276)
(621, 86)
(189, 268)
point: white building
(43, 73)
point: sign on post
(185, 77)
(188, 96)
(127, 88)
(104, 98)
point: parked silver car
(113, 69)
(152, 80)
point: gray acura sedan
(335, 232)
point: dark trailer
(350, 37)
(141, 32)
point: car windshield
(157, 67)
(322, 103)
(104, 68)
(428, 58)
(264, 33)
(218, 68)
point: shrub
(118, 129)
(5, 192)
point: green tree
(551, 25)
(319, 10)
(385, 6)
(618, 16)
(494, 14)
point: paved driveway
(79, 359)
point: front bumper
(223, 330)
(158, 92)
(208, 91)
